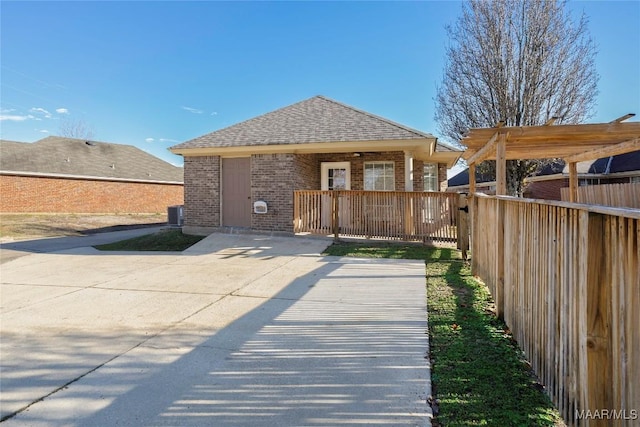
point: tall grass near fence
(566, 280)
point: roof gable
(315, 120)
(69, 156)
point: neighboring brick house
(620, 169)
(460, 183)
(547, 184)
(315, 144)
(65, 175)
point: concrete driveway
(239, 330)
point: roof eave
(417, 145)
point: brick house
(66, 175)
(549, 182)
(619, 169)
(315, 144)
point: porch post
(408, 171)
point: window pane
(379, 176)
(431, 177)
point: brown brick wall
(202, 191)
(307, 172)
(546, 190)
(272, 180)
(64, 195)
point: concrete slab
(238, 330)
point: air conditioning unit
(175, 215)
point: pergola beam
(623, 118)
(612, 150)
(485, 151)
(551, 121)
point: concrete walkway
(239, 330)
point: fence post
(474, 234)
(463, 225)
(499, 293)
(335, 216)
(598, 317)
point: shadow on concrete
(317, 361)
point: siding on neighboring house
(67, 175)
(35, 194)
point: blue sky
(153, 74)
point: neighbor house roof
(462, 178)
(318, 124)
(621, 163)
(59, 156)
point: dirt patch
(29, 226)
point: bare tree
(518, 61)
(75, 128)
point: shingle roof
(627, 162)
(68, 156)
(462, 178)
(315, 120)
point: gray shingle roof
(68, 156)
(317, 119)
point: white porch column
(408, 171)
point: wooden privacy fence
(396, 215)
(566, 280)
(619, 195)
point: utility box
(175, 215)
(260, 207)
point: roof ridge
(375, 116)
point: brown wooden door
(236, 192)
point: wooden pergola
(572, 143)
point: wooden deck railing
(379, 214)
(566, 280)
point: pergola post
(472, 178)
(573, 182)
(501, 165)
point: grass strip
(171, 240)
(479, 375)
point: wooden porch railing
(398, 215)
(566, 279)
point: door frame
(324, 173)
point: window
(379, 176)
(588, 181)
(431, 177)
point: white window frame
(324, 173)
(430, 178)
(392, 185)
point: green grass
(165, 240)
(379, 250)
(479, 374)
